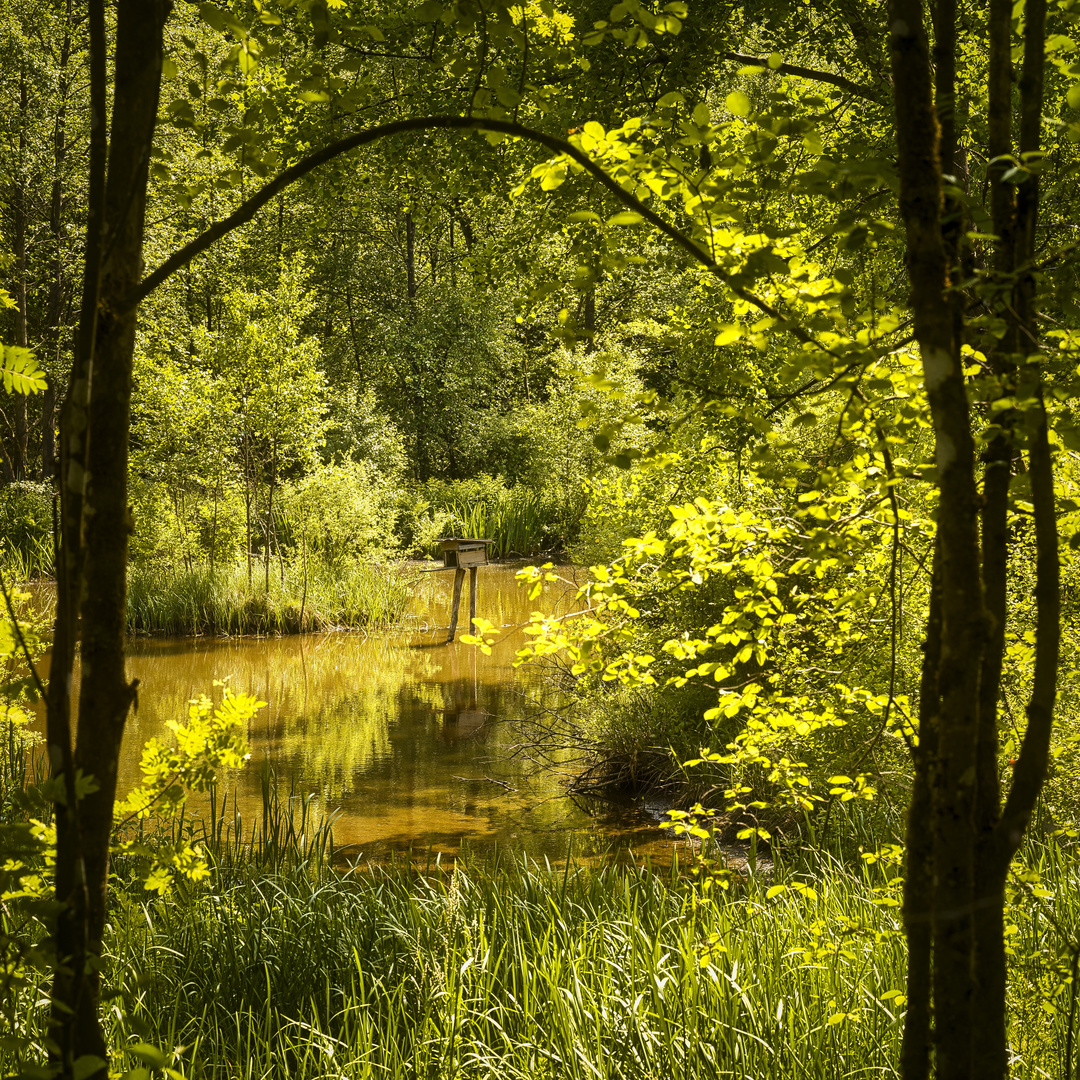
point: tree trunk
(410, 255)
(96, 492)
(952, 773)
(973, 837)
(18, 198)
(918, 877)
(55, 314)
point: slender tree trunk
(410, 255)
(18, 404)
(918, 878)
(55, 314)
(1014, 221)
(973, 838)
(953, 771)
(95, 453)
(247, 504)
(213, 523)
(72, 1011)
(269, 520)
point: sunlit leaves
(20, 371)
(738, 103)
(213, 739)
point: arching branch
(250, 207)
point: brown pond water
(411, 744)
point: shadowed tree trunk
(956, 881)
(54, 317)
(19, 212)
(94, 448)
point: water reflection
(412, 743)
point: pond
(410, 743)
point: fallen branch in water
(481, 780)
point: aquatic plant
(303, 597)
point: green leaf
(21, 372)
(149, 1055)
(625, 217)
(86, 1065)
(553, 177)
(320, 22)
(738, 103)
(248, 57)
(213, 16)
(1073, 96)
(775, 60)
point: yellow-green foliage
(213, 739)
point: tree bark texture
(956, 797)
(919, 869)
(97, 523)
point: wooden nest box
(460, 554)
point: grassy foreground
(191, 602)
(512, 972)
(518, 971)
(278, 965)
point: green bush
(341, 512)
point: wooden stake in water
(472, 599)
(459, 578)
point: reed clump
(519, 521)
(300, 599)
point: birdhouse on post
(459, 553)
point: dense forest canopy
(769, 311)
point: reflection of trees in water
(378, 727)
(343, 709)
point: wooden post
(472, 599)
(459, 578)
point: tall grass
(30, 560)
(278, 966)
(198, 601)
(519, 521)
(289, 835)
(514, 971)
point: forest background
(693, 347)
